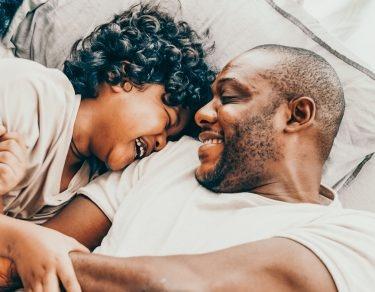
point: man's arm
(275, 264)
(82, 220)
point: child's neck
(71, 167)
(84, 127)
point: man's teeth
(213, 141)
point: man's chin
(210, 179)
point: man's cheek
(228, 117)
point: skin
(290, 171)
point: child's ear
(302, 114)
(127, 87)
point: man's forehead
(236, 75)
(237, 72)
(254, 61)
(246, 68)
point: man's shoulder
(176, 158)
(185, 150)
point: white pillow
(48, 34)
(25, 8)
(359, 193)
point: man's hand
(13, 155)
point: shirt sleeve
(345, 242)
(110, 189)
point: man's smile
(213, 145)
(210, 137)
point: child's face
(134, 123)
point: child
(140, 78)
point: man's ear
(127, 87)
(302, 114)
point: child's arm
(41, 255)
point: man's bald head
(296, 72)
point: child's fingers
(8, 159)
(13, 147)
(51, 283)
(6, 179)
(68, 276)
(37, 287)
(3, 130)
(15, 136)
(32, 286)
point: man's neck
(294, 182)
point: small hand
(13, 155)
(41, 256)
(5, 274)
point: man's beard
(241, 166)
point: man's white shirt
(158, 208)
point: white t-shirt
(40, 104)
(158, 208)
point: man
(266, 133)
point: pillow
(358, 193)
(26, 7)
(7, 10)
(47, 34)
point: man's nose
(160, 141)
(207, 114)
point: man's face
(239, 128)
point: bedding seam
(318, 40)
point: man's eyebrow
(233, 82)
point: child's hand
(12, 160)
(7, 275)
(41, 256)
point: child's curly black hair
(143, 45)
(7, 10)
